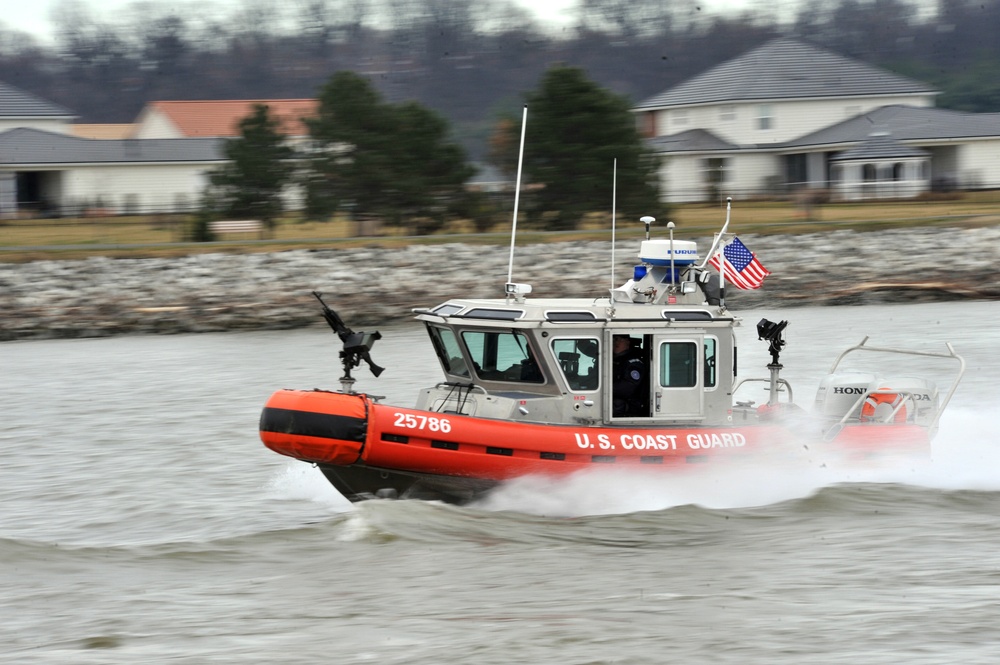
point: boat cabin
(553, 360)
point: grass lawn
(22, 240)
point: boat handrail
(462, 386)
(889, 418)
(767, 380)
(951, 355)
(463, 389)
(597, 322)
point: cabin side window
(578, 361)
(448, 350)
(678, 364)
(502, 356)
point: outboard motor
(838, 393)
(915, 397)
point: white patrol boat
(529, 387)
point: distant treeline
(471, 60)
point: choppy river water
(141, 521)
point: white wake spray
(966, 456)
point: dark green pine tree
(576, 131)
(347, 162)
(392, 161)
(260, 167)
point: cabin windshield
(448, 350)
(502, 356)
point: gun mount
(771, 333)
(357, 346)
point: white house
(46, 167)
(775, 119)
(55, 174)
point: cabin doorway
(630, 371)
(678, 366)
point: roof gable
(905, 123)
(691, 140)
(16, 103)
(221, 118)
(880, 145)
(786, 68)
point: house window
(796, 169)
(897, 171)
(714, 169)
(679, 117)
(765, 117)
(868, 173)
(713, 175)
(131, 204)
(727, 113)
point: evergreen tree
(576, 131)
(260, 166)
(391, 161)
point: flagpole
(722, 276)
(718, 237)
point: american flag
(741, 265)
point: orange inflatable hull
(315, 426)
(402, 447)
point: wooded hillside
(471, 60)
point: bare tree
(632, 19)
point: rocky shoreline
(99, 297)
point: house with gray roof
(22, 109)
(58, 174)
(775, 119)
(46, 170)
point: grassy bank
(25, 240)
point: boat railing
(854, 413)
(760, 379)
(462, 386)
(950, 355)
(458, 393)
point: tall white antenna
(517, 195)
(614, 215)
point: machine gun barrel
(333, 319)
(356, 345)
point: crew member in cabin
(629, 374)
